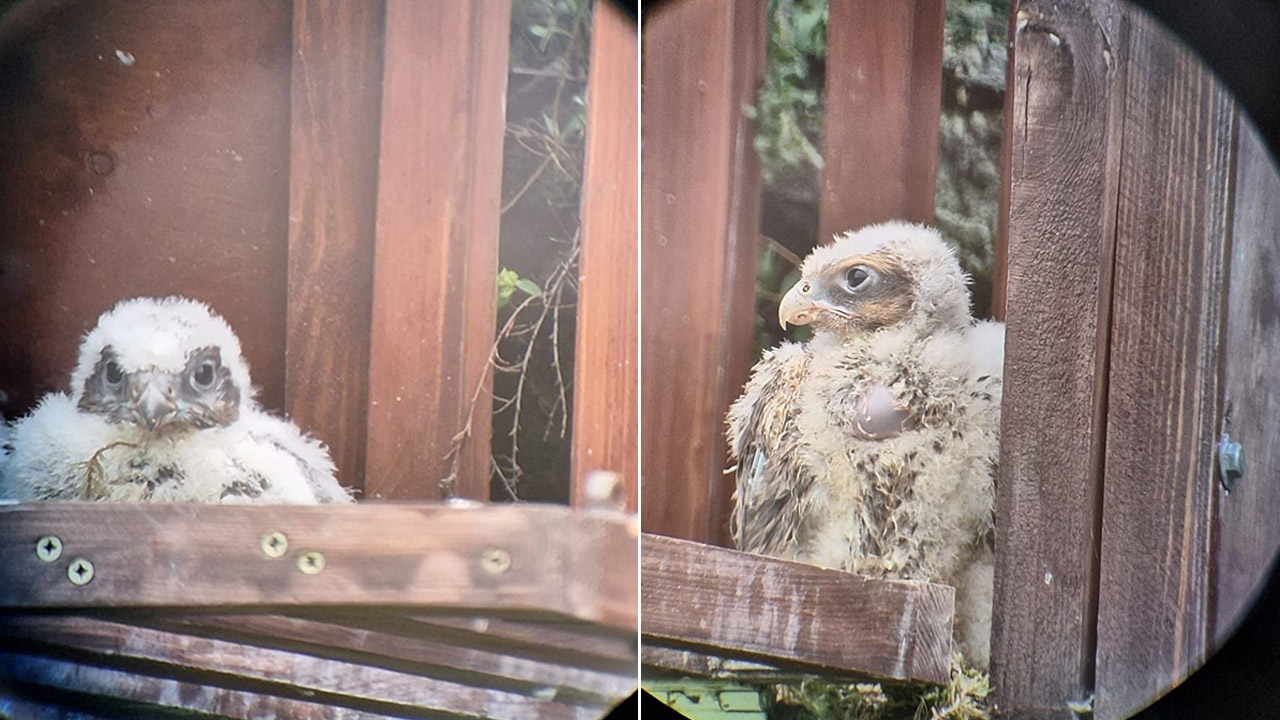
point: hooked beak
(154, 403)
(798, 307)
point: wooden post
(1069, 85)
(1154, 605)
(435, 267)
(701, 199)
(1247, 537)
(333, 178)
(606, 376)
(883, 101)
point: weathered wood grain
(237, 667)
(1154, 610)
(606, 411)
(1068, 70)
(335, 92)
(658, 660)
(437, 656)
(436, 262)
(882, 104)
(1247, 535)
(549, 559)
(587, 645)
(700, 215)
(1000, 263)
(163, 694)
(725, 602)
(168, 175)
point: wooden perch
(708, 601)
(545, 560)
(379, 610)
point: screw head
(310, 562)
(495, 561)
(80, 571)
(49, 548)
(1231, 462)
(274, 544)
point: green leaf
(529, 287)
(507, 281)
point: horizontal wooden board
(558, 561)
(61, 676)
(439, 656)
(231, 666)
(725, 602)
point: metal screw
(310, 562)
(1231, 464)
(495, 561)
(80, 572)
(274, 544)
(49, 548)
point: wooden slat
(588, 646)
(1000, 263)
(333, 175)
(1065, 154)
(700, 215)
(657, 659)
(236, 667)
(164, 176)
(606, 412)
(1248, 527)
(725, 602)
(882, 104)
(61, 676)
(442, 655)
(435, 266)
(1162, 425)
(401, 556)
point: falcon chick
(162, 410)
(871, 448)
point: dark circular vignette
(1240, 41)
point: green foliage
(788, 107)
(509, 282)
(541, 192)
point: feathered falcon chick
(162, 410)
(871, 448)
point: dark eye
(202, 375)
(114, 374)
(856, 276)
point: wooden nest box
(1135, 267)
(327, 176)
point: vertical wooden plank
(700, 215)
(435, 264)
(1068, 84)
(136, 161)
(1171, 229)
(1000, 267)
(1248, 528)
(883, 101)
(333, 177)
(606, 359)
